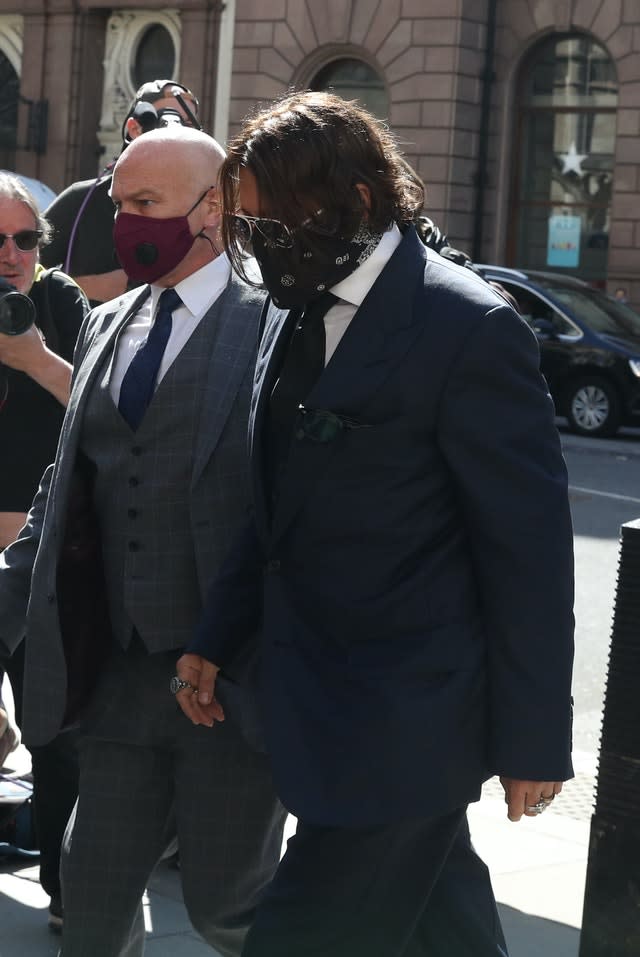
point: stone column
(199, 60)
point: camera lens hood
(17, 312)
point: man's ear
(365, 194)
(133, 128)
(212, 202)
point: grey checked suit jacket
(29, 567)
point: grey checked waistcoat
(141, 497)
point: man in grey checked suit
(145, 500)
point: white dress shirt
(353, 290)
(198, 292)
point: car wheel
(592, 406)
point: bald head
(192, 156)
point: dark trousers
(414, 889)
(145, 773)
(55, 784)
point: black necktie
(302, 366)
(139, 380)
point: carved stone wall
(11, 39)
(125, 29)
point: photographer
(35, 377)
(82, 215)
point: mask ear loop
(202, 234)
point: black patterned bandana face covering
(297, 275)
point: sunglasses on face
(25, 240)
(275, 232)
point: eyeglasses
(276, 233)
(25, 240)
(272, 231)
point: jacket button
(134, 546)
(132, 512)
(273, 566)
(134, 481)
(51, 598)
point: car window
(532, 307)
(600, 313)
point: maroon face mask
(149, 248)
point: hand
(520, 795)
(198, 702)
(25, 352)
(28, 353)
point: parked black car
(589, 347)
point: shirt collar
(201, 288)
(355, 287)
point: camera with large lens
(146, 115)
(148, 118)
(17, 312)
(170, 117)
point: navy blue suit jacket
(415, 583)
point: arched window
(155, 56)
(354, 80)
(9, 89)
(568, 95)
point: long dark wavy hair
(307, 151)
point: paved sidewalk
(538, 869)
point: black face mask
(297, 275)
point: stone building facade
(522, 116)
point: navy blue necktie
(139, 380)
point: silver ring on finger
(537, 808)
(177, 684)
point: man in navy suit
(410, 556)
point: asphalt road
(604, 477)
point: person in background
(620, 295)
(409, 557)
(35, 379)
(148, 490)
(82, 215)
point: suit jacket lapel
(98, 350)
(277, 332)
(104, 329)
(376, 340)
(236, 318)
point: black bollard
(611, 920)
